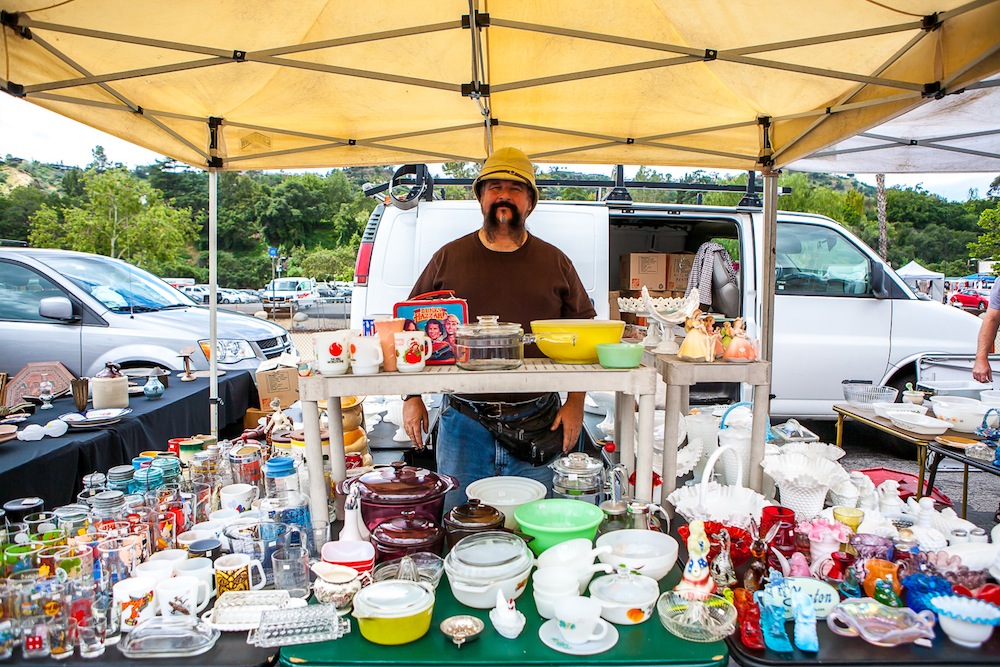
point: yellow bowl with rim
(589, 334)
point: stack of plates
(120, 477)
(94, 418)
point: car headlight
(228, 351)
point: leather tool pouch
(526, 438)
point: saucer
(549, 634)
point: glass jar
(578, 476)
(614, 516)
(281, 475)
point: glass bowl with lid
(626, 598)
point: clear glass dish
(703, 621)
(302, 625)
(239, 611)
(168, 638)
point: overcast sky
(30, 132)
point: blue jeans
(466, 450)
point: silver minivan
(84, 310)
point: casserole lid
(579, 464)
(407, 531)
(402, 484)
(392, 598)
(488, 556)
(474, 514)
(625, 588)
(489, 327)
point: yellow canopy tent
(270, 84)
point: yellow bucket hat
(507, 164)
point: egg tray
(302, 625)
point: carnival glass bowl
(881, 625)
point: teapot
(578, 476)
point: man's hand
(570, 417)
(415, 420)
(981, 370)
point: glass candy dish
(429, 568)
(168, 638)
(298, 625)
(921, 587)
(702, 621)
(239, 611)
(967, 622)
(881, 625)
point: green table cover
(646, 644)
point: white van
(841, 313)
(302, 292)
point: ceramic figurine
(748, 617)
(756, 574)
(740, 348)
(850, 587)
(804, 613)
(507, 620)
(722, 567)
(889, 501)
(798, 566)
(772, 621)
(696, 581)
(699, 344)
(867, 493)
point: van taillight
(363, 264)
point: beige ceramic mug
(235, 572)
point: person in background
(410, 325)
(502, 269)
(981, 370)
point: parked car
(198, 293)
(84, 310)
(840, 312)
(226, 295)
(250, 295)
(971, 298)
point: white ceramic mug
(172, 555)
(579, 619)
(238, 496)
(215, 528)
(366, 354)
(412, 349)
(157, 570)
(188, 537)
(200, 568)
(333, 351)
(180, 596)
(235, 573)
(133, 601)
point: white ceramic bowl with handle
(964, 416)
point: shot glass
(62, 637)
(91, 635)
(9, 626)
(35, 636)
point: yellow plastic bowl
(589, 334)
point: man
(503, 270)
(981, 370)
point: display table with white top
(536, 375)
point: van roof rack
(421, 183)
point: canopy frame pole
(213, 306)
(770, 177)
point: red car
(971, 299)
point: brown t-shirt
(535, 282)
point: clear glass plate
(168, 638)
(303, 625)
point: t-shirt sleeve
(995, 295)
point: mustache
(514, 219)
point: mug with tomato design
(412, 350)
(333, 351)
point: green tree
(121, 217)
(329, 264)
(988, 243)
(17, 208)
(295, 211)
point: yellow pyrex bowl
(589, 334)
(394, 611)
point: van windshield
(118, 285)
(285, 285)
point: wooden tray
(955, 441)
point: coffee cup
(209, 547)
(133, 600)
(182, 596)
(333, 351)
(238, 496)
(157, 570)
(412, 349)
(200, 568)
(189, 537)
(579, 619)
(171, 555)
(235, 572)
(366, 354)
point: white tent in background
(913, 274)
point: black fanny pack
(527, 438)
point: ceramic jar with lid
(472, 517)
(109, 388)
(387, 492)
(405, 535)
(626, 598)
(578, 476)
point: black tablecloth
(52, 468)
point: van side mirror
(879, 288)
(56, 308)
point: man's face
(505, 203)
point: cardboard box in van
(678, 271)
(644, 269)
(275, 381)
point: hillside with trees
(156, 216)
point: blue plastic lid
(279, 466)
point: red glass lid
(400, 483)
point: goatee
(502, 213)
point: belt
(494, 410)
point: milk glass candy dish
(967, 621)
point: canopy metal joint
(930, 22)
(482, 20)
(14, 89)
(711, 54)
(475, 89)
(934, 89)
(12, 20)
(240, 56)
